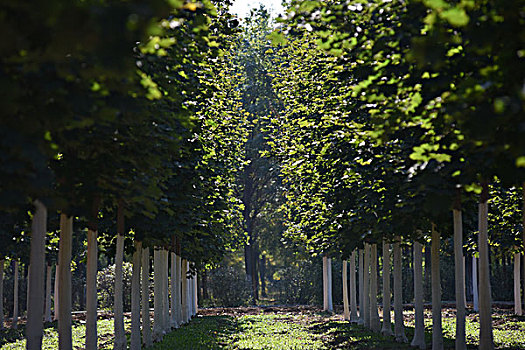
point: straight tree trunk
(157, 295)
(386, 330)
(419, 329)
(517, 292)
(325, 283)
(361, 319)
(486, 340)
(262, 272)
(2, 261)
(427, 287)
(329, 267)
(55, 294)
(120, 342)
(135, 343)
(184, 287)
(91, 289)
(353, 296)
(346, 308)
(366, 287)
(173, 283)
(64, 285)
(178, 290)
(165, 289)
(36, 287)
(146, 323)
(399, 327)
(464, 280)
(523, 238)
(461, 342)
(47, 313)
(375, 323)
(475, 295)
(195, 296)
(437, 330)
(14, 321)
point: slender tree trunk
(165, 288)
(64, 285)
(157, 295)
(375, 323)
(135, 343)
(399, 327)
(353, 296)
(517, 292)
(460, 278)
(330, 304)
(475, 295)
(184, 286)
(47, 313)
(346, 308)
(120, 342)
(366, 287)
(91, 290)
(36, 289)
(427, 288)
(325, 283)
(262, 267)
(386, 330)
(419, 329)
(173, 283)
(55, 294)
(486, 340)
(523, 238)
(464, 281)
(14, 321)
(437, 330)
(195, 296)
(178, 291)
(2, 261)
(361, 319)
(146, 323)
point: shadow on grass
(9, 335)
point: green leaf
(520, 162)
(455, 16)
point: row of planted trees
(395, 118)
(118, 118)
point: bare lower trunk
(399, 327)
(146, 323)
(64, 285)
(135, 343)
(437, 330)
(475, 295)
(47, 313)
(120, 342)
(14, 321)
(184, 286)
(366, 287)
(36, 288)
(361, 319)
(157, 295)
(91, 291)
(165, 296)
(329, 281)
(517, 292)
(459, 282)
(419, 329)
(2, 261)
(486, 340)
(386, 330)
(195, 296)
(178, 281)
(523, 238)
(353, 296)
(173, 282)
(346, 308)
(375, 323)
(55, 294)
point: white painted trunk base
(47, 312)
(64, 285)
(91, 291)
(157, 295)
(486, 339)
(346, 307)
(146, 322)
(135, 342)
(14, 321)
(437, 328)
(366, 287)
(184, 286)
(517, 291)
(461, 342)
(361, 319)
(419, 329)
(173, 292)
(375, 323)
(399, 327)
(475, 294)
(386, 328)
(178, 291)
(353, 297)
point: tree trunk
(135, 343)
(329, 267)
(419, 329)
(173, 282)
(366, 287)
(375, 323)
(157, 295)
(195, 296)
(353, 296)
(64, 284)
(517, 292)
(475, 295)
(346, 308)
(165, 288)
(262, 267)
(184, 287)
(14, 320)
(386, 330)
(204, 283)
(399, 327)
(486, 340)
(437, 330)
(146, 323)
(91, 290)
(464, 280)
(47, 312)
(361, 319)
(120, 342)
(2, 261)
(325, 283)
(178, 290)
(427, 288)
(523, 238)
(460, 279)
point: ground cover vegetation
(166, 154)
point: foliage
(229, 286)
(106, 286)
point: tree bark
(47, 312)
(195, 296)
(517, 291)
(173, 283)
(165, 288)
(361, 319)
(184, 287)
(486, 340)
(2, 261)
(325, 283)
(135, 342)
(262, 267)
(91, 290)
(157, 295)
(330, 304)
(399, 327)
(346, 308)
(14, 320)
(419, 329)
(64, 284)
(475, 294)
(120, 342)
(464, 280)
(460, 279)
(437, 330)
(55, 295)
(146, 322)
(366, 287)
(375, 323)
(353, 296)
(178, 290)
(523, 238)
(386, 330)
